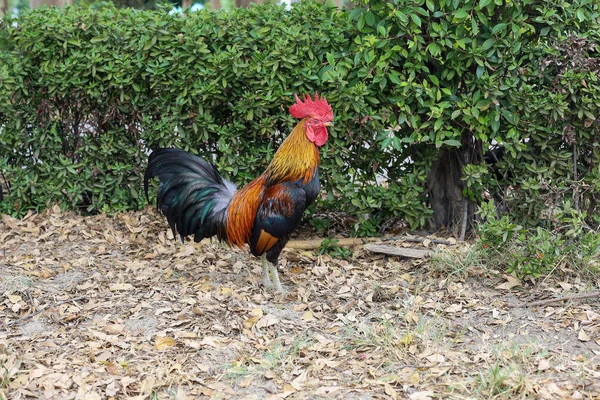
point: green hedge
(521, 74)
(85, 93)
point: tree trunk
(3, 12)
(445, 187)
(215, 4)
(185, 4)
(50, 3)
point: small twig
(28, 316)
(592, 295)
(346, 306)
(30, 298)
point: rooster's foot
(266, 282)
(269, 271)
(266, 279)
(276, 281)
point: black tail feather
(192, 194)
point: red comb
(308, 107)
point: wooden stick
(28, 316)
(592, 295)
(398, 251)
(316, 243)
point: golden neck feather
(297, 158)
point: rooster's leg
(265, 273)
(275, 276)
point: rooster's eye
(316, 121)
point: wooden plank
(398, 251)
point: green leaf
(479, 72)
(434, 49)
(461, 14)
(495, 123)
(330, 58)
(361, 22)
(499, 27)
(488, 43)
(484, 3)
(369, 18)
(451, 142)
(355, 13)
(150, 43)
(394, 78)
(416, 19)
(100, 38)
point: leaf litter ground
(112, 307)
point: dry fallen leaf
(93, 395)
(148, 384)
(414, 378)
(308, 316)
(14, 298)
(510, 283)
(543, 365)
(255, 315)
(583, 336)
(266, 321)
(295, 270)
(424, 395)
(181, 395)
(114, 329)
(390, 391)
(436, 358)
(211, 342)
(453, 308)
(162, 343)
(288, 388)
(121, 286)
(223, 335)
(112, 368)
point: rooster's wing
(278, 215)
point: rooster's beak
(328, 123)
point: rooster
(198, 201)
